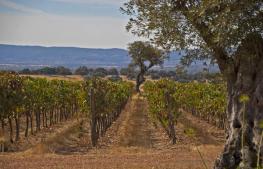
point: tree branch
(224, 61)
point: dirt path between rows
(133, 142)
(204, 133)
(135, 130)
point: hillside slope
(19, 57)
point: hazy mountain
(65, 56)
(19, 57)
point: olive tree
(144, 56)
(230, 34)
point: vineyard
(39, 103)
(168, 99)
(182, 90)
(115, 121)
(106, 102)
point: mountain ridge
(17, 57)
(64, 56)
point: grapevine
(204, 100)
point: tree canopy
(198, 27)
(144, 56)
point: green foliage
(113, 71)
(129, 72)
(60, 70)
(26, 94)
(244, 98)
(106, 100)
(144, 56)
(190, 132)
(155, 93)
(108, 95)
(57, 100)
(142, 52)
(82, 70)
(205, 100)
(11, 94)
(201, 28)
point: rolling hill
(19, 57)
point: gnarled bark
(140, 77)
(139, 81)
(245, 116)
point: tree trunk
(11, 129)
(61, 114)
(139, 80)
(31, 122)
(56, 116)
(37, 120)
(17, 128)
(51, 113)
(43, 119)
(2, 142)
(138, 83)
(3, 126)
(245, 116)
(27, 124)
(46, 125)
(171, 129)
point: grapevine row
(162, 105)
(204, 100)
(107, 99)
(166, 99)
(38, 103)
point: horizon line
(55, 46)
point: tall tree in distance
(144, 57)
(229, 33)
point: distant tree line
(82, 70)
(60, 70)
(100, 72)
(179, 73)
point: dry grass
(59, 77)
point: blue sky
(80, 23)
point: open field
(72, 77)
(58, 77)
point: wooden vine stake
(2, 142)
(169, 106)
(93, 116)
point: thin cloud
(101, 2)
(49, 30)
(20, 7)
(38, 27)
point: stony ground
(132, 142)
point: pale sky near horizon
(77, 23)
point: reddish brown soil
(132, 142)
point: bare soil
(134, 141)
(44, 135)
